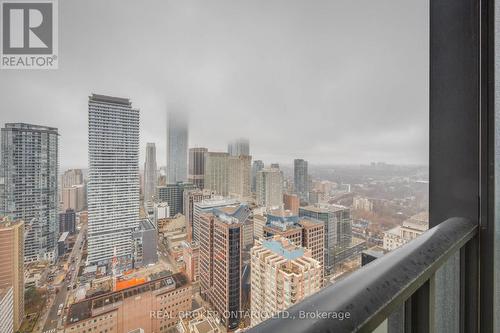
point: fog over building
(218, 64)
(177, 145)
(237, 147)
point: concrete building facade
(12, 265)
(269, 188)
(283, 274)
(113, 185)
(196, 166)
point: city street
(53, 321)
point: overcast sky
(334, 81)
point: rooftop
(283, 247)
(419, 221)
(309, 222)
(31, 127)
(324, 208)
(216, 202)
(83, 310)
(96, 98)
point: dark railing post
(419, 309)
(469, 282)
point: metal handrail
(369, 295)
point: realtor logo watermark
(29, 34)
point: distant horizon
(287, 165)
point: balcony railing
(402, 280)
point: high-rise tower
(301, 178)
(113, 186)
(150, 172)
(197, 166)
(177, 146)
(29, 192)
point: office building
(238, 147)
(62, 244)
(239, 176)
(196, 167)
(161, 211)
(256, 167)
(153, 306)
(144, 240)
(216, 172)
(12, 265)
(29, 191)
(173, 195)
(301, 178)
(231, 206)
(338, 229)
(191, 258)
(74, 197)
(190, 198)
(316, 197)
(72, 177)
(67, 221)
(248, 233)
(291, 202)
(221, 239)
(259, 221)
(269, 188)
(283, 274)
(150, 175)
(177, 145)
(228, 175)
(113, 184)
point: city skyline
(296, 88)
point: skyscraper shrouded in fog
(237, 147)
(29, 192)
(301, 178)
(150, 175)
(197, 166)
(177, 145)
(113, 185)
